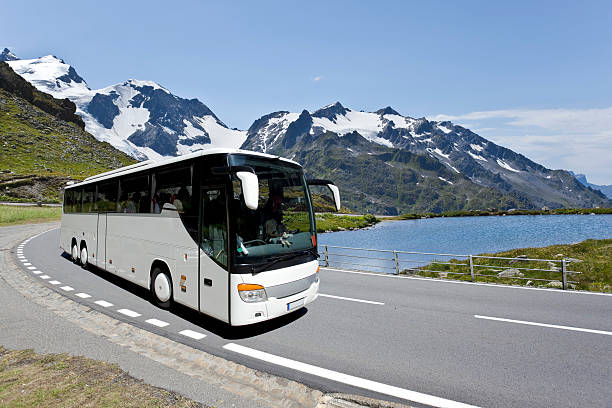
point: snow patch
(477, 157)
(444, 129)
(506, 166)
(476, 147)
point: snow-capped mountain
(140, 118)
(457, 148)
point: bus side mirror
(331, 186)
(250, 188)
(336, 191)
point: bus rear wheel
(161, 287)
(84, 258)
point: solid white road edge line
(351, 299)
(493, 285)
(129, 312)
(158, 323)
(552, 326)
(192, 334)
(347, 379)
(103, 303)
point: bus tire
(161, 287)
(84, 257)
(75, 253)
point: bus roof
(151, 164)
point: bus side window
(107, 197)
(174, 187)
(68, 195)
(89, 192)
(135, 195)
(77, 200)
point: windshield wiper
(275, 259)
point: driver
(274, 226)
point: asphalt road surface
(401, 339)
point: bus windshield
(283, 222)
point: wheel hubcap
(162, 287)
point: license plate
(295, 304)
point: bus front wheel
(161, 287)
(84, 257)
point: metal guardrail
(392, 262)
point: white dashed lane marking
(551, 326)
(54, 282)
(129, 312)
(103, 303)
(31, 268)
(158, 323)
(82, 295)
(414, 396)
(351, 299)
(192, 334)
(36, 272)
(44, 277)
(67, 288)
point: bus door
(214, 253)
(101, 242)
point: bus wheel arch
(161, 284)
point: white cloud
(572, 139)
(317, 78)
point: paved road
(411, 340)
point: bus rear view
(226, 232)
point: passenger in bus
(182, 200)
(274, 226)
(155, 204)
(127, 204)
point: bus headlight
(251, 293)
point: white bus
(227, 232)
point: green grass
(595, 268)
(328, 222)
(332, 222)
(12, 214)
(28, 379)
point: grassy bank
(592, 258)
(328, 222)
(482, 213)
(13, 214)
(28, 379)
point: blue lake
(473, 235)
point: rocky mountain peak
(7, 55)
(331, 112)
(387, 111)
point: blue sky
(525, 67)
